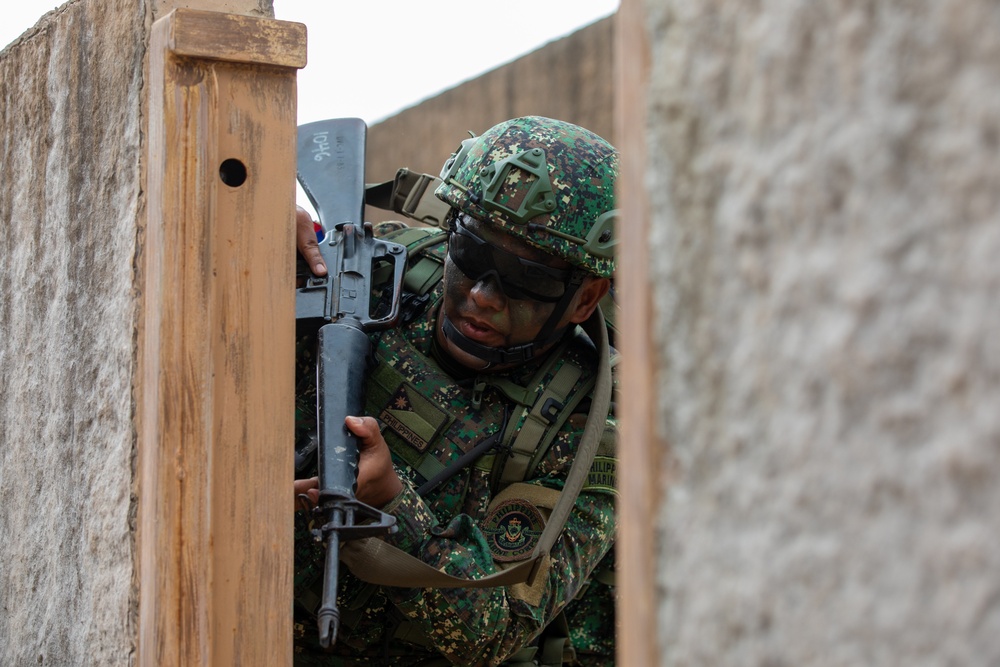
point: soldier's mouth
(480, 332)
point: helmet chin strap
(516, 354)
(494, 356)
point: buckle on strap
(413, 196)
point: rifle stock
(338, 308)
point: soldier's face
(480, 309)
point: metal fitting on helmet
(546, 181)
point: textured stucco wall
(70, 100)
(71, 216)
(826, 221)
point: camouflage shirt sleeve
(484, 626)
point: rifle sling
(378, 562)
(411, 194)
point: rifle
(338, 307)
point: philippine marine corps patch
(602, 475)
(512, 530)
(415, 419)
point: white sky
(372, 58)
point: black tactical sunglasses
(517, 277)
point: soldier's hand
(378, 482)
(305, 239)
(308, 487)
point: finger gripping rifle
(338, 307)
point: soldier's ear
(588, 296)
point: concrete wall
(71, 229)
(70, 198)
(823, 182)
(569, 79)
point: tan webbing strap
(375, 561)
(592, 432)
(411, 194)
(539, 419)
(420, 202)
(398, 568)
(380, 563)
(525, 396)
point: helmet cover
(548, 182)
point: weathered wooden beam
(216, 342)
(640, 449)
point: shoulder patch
(414, 418)
(512, 529)
(602, 475)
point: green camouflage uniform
(453, 528)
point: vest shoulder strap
(426, 251)
(543, 413)
(546, 406)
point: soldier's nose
(486, 293)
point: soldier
(477, 410)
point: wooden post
(214, 391)
(640, 449)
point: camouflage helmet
(546, 181)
